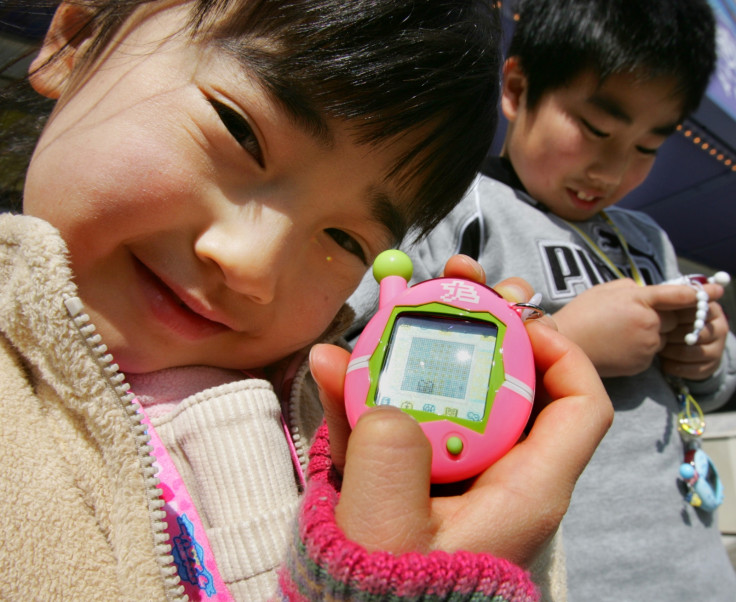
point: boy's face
(205, 226)
(586, 145)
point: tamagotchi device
(453, 354)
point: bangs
(387, 68)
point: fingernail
(478, 272)
(514, 294)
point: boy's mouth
(586, 197)
(583, 198)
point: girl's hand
(514, 507)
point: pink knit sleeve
(323, 564)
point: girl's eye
(593, 130)
(347, 242)
(239, 129)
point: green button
(455, 445)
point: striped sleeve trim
(323, 564)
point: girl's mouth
(172, 311)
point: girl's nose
(251, 251)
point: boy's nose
(607, 168)
(250, 251)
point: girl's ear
(69, 29)
(513, 90)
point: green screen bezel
(497, 377)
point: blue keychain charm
(703, 486)
(699, 481)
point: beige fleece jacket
(80, 514)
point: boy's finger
(715, 291)
(384, 502)
(328, 364)
(666, 297)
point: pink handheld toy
(453, 354)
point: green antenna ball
(392, 263)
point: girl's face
(205, 225)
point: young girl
(213, 182)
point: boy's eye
(347, 242)
(594, 130)
(647, 151)
(240, 129)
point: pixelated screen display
(438, 365)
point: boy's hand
(622, 326)
(699, 361)
(511, 509)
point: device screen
(438, 365)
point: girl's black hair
(387, 67)
(557, 40)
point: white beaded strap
(701, 310)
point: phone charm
(701, 486)
(453, 354)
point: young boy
(591, 89)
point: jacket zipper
(111, 371)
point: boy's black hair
(388, 67)
(557, 40)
